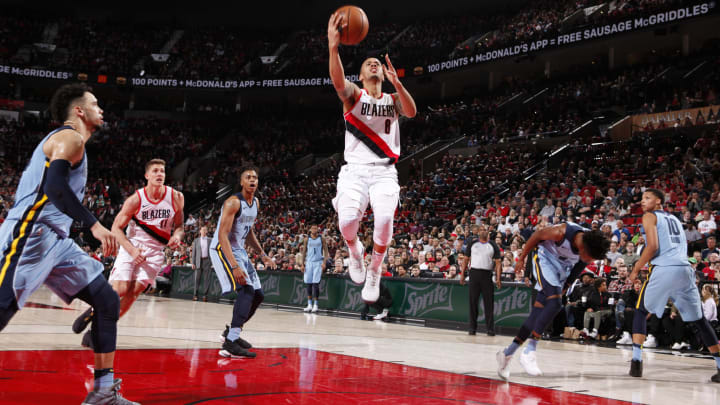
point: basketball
(356, 25)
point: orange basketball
(355, 25)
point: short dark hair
(155, 161)
(596, 244)
(247, 169)
(63, 97)
(598, 282)
(657, 193)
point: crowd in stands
(122, 47)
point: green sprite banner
(412, 298)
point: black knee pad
(316, 290)
(106, 309)
(258, 298)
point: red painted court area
(287, 376)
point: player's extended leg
(350, 203)
(309, 306)
(128, 291)
(258, 298)
(653, 298)
(504, 356)
(687, 301)
(384, 197)
(103, 333)
(315, 287)
(547, 305)
(242, 307)
(349, 221)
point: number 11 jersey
(152, 223)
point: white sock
(354, 250)
(376, 261)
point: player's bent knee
(383, 231)
(107, 303)
(349, 225)
(259, 296)
(554, 303)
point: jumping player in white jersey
(372, 147)
(671, 276)
(150, 215)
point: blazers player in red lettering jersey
(153, 216)
(372, 147)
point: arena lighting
(580, 127)
(559, 150)
(142, 73)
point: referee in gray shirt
(484, 258)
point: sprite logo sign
(299, 291)
(352, 299)
(270, 285)
(422, 299)
(511, 306)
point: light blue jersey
(314, 250)
(313, 261)
(241, 227)
(30, 192)
(671, 276)
(34, 238)
(672, 244)
(555, 260)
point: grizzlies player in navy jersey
(34, 238)
(562, 251)
(671, 276)
(232, 264)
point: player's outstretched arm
(345, 89)
(130, 206)
(178, 221)
(230, 208)
(403, 100)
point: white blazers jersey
(152, 224)
(372, 131)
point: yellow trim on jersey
(226, 266)
(13, 247)
(642, 290)
(537, 269)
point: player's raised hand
(106, 238)
(336, 21)
(390, 72)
